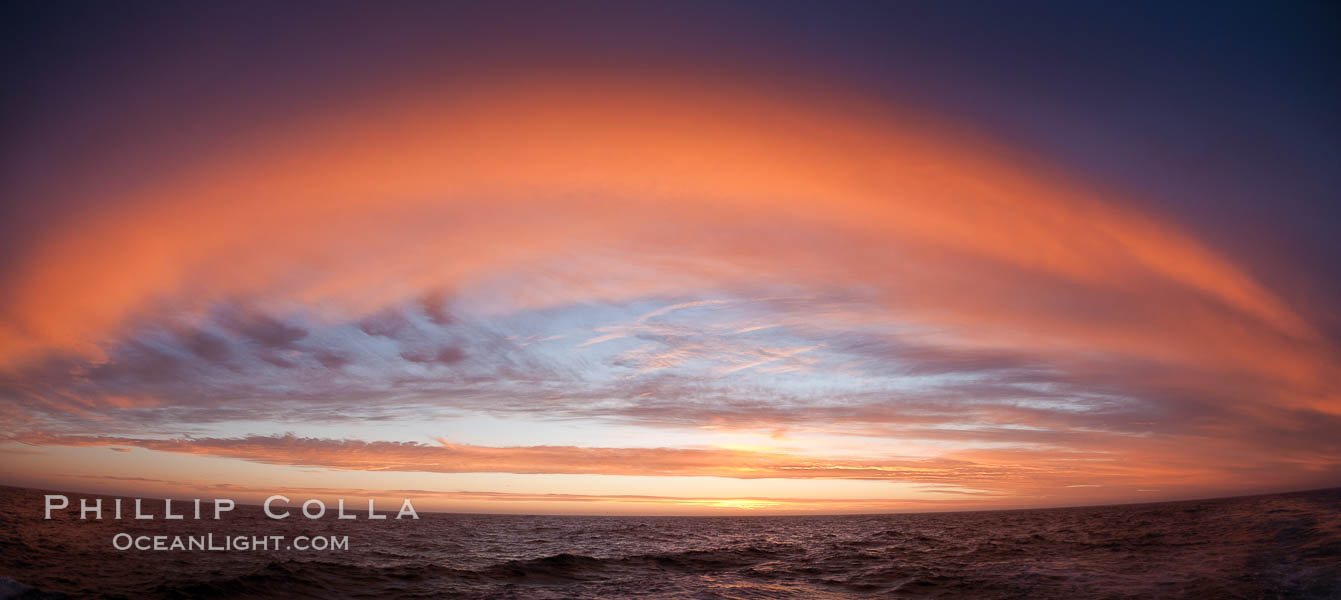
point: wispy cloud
(446, 457)
(1002, 472)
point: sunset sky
(672, 258)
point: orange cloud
(446, 457)
(1000, 477)
(583, 189)
(540, 193)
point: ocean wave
(11, 589)
(1285, 546)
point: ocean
(1275, 546)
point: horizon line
(739, 512)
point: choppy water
(1280, 546)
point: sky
(680, 258)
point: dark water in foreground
(1280, 546)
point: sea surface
(1277, 546)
